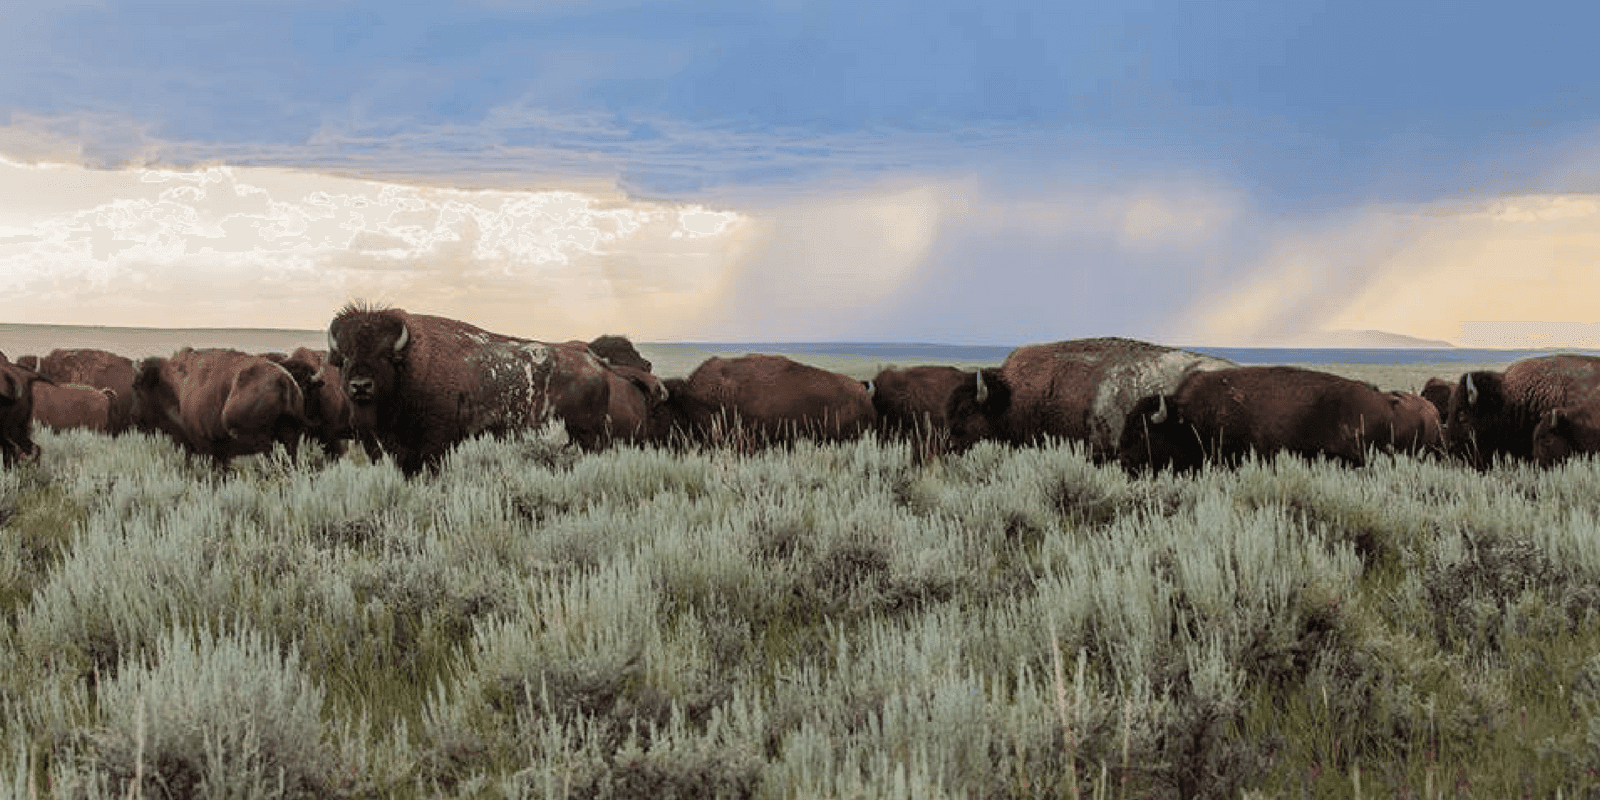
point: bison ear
(9, 391)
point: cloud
(1419, 270)
(251, 247)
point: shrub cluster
(844, 620)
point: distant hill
(1349, 338)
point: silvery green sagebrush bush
(849, 620)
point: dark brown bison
(1414, 425)
(329, 414)
(634, 391)
(763, 399)
(1495, 413)
(1438, 392)
(1566, 432)
(1081, 389)
(72, 405)
(219, 403)
(100, 369)
(911, 401)
(1221, 415)
(421, 384)
(16, 412)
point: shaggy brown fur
(16, 412)
(911, 401)
(449, 380)
(1080, 389)
(1497, 412)
(1222, 415)
(100, 369)
(73, 405)
(765, 398)
(219, 403)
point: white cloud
(258, 247)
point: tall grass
(840, 620)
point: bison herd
(412, 386)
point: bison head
(1155, 436)
(1565, 432)
(154, 404)
(617, 351)
(976, 409)
(368, 347)
(1477, 426)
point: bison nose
(360, 385)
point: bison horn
(1472, 392)
(983, 391)
(872, 390)
(1161, 411)
(400, 342)
(333, 344)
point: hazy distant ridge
(1367, 338)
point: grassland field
(839, 621)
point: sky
(1221, 173)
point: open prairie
(816, 621)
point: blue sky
(1221, 172)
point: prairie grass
(818, 620)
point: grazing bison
(1414, 425)
(219, 403)
(421, 384)
(911, 401)
(770, 398)
(73, 405)
(635, 392)
(100, 369)
(1566, 432)
(1081, 389)
(16, 412)
(1221, 415)
(329, 414)
(1496, 412)
(1438, 392)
